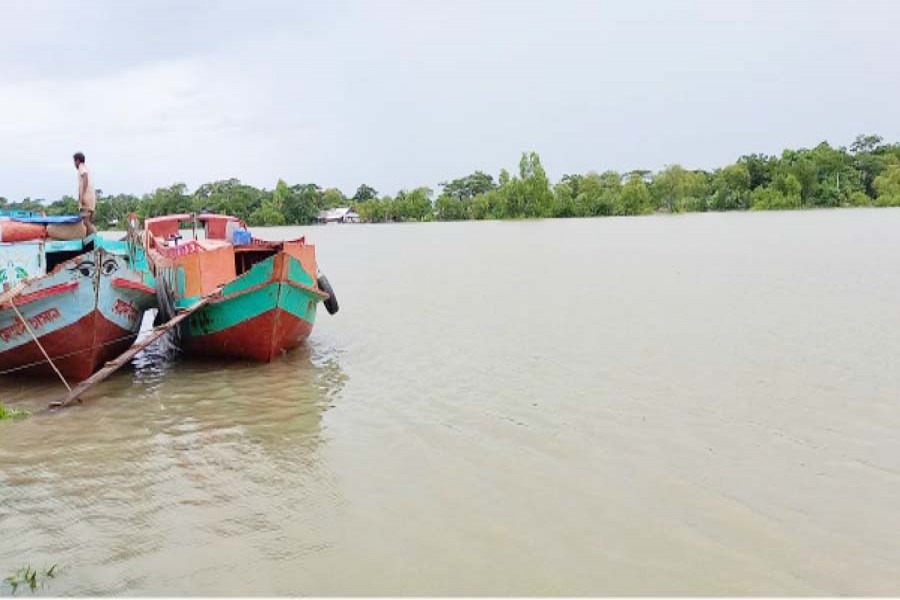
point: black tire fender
(165, 312)
(331, 303)
(165, 301)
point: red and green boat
(265, 294)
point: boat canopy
(170, 224)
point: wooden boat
(269, 290)
(82, 299)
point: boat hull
(85, 312)
(261, 338)
(267, 311)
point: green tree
(301, 205)
(271, 209)
(455, 201)
(364, 193)
(676, 189)
(333, 198)
(865, 143)
(887, 185)
(610, 193)
(466, 188)
(529, 194)
(635, 198)
(759, 168)
(481, 207)
(372, 211)
(448, 208)
(26, 204)
(801, 165)
(867, 161)
(112, 211)
(413, 206)
(164, 201)
(837, 178)
(594, 195)
(67, 205)
(564, 199)
(782, 194)
(731, 188)
(229, 196)
(858, 199)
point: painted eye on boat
(86, 268)
(110, 267)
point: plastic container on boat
(241, 237)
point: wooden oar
(112, 366)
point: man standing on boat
(87, 197)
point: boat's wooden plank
(115, 364)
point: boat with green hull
(266, 293)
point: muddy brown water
(702, 404)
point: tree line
(865, 174)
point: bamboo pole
(114, 365)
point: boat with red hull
(266, 292)
(86, 309)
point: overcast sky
(401, 94)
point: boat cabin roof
(188, 218)
(163, 227)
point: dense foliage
(866, 174)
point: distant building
(338, 215)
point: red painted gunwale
(121, 282)
(53, 290)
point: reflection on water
(164, 460)
(701, 405)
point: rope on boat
(39, 344)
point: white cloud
(147, 126)
(401, 94)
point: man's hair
(79, 156)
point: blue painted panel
(63, 246)
(18, 213)
(54, 220)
